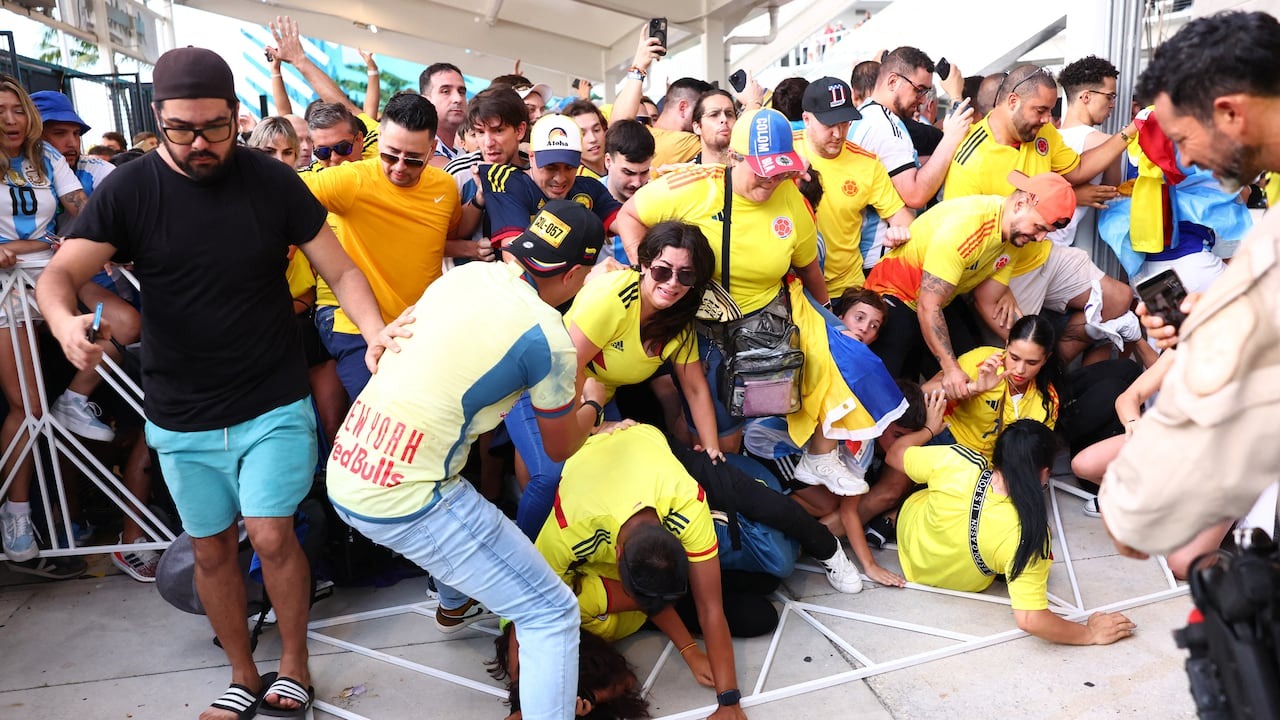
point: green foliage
(354, 82)
(83, 53)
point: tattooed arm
(73, 202)
(934, 294)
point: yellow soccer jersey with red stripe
(851, 181)
(612, 477)
(958, 241)
(981, 167)
(976, 422)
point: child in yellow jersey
(1007, 385)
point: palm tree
(83, 54)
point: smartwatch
(599, 411)
(729, 697)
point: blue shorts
(347, 349)
(258, 468)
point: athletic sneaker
(841, 572)
(19, 536)
(830, 471)
(880, 532)
(1090, 508)
(81, 417)
(54, 568)
(138, 564)
(451, 621)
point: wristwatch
(599, 412)
(729, 697)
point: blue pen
(97, 323)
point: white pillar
(713, 52)
(1088, 30)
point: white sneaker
(81, 418)
(830, 471)
(19, 537)
(138, 564)
(841, 572)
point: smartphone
(658, 29)
(1163, 295)
(738, 80)
(270, 58)
(943, 68)
(92, 333)
(577, 82)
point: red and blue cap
(763, 138)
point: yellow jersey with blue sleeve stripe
(981, 167)
(612, 477)
(412, 426)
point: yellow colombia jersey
(395, 235)
(958, 241)
(673, 146)
(852, 180)
(768, 238)
(412, 426)
(933, 529)
(611, 478)
(584, 171)
(299, 273)
(981, 167)
(975, 422)
(607, 311)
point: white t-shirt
(883, 133)
(1085, 218)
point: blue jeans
(347, 349)
(544, 473)
(472, 549)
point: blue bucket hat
(56, 107)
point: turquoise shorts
(258, 468)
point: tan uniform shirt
(1211, 444)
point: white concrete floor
(106, 647)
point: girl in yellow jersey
(1007, 385)
(625, 325)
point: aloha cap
(556, 139)
(56, 107)
(562, 235)
(763, 137)
(1051, 195)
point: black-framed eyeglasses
(1111, 97)
(324, 152)
(921, 90)
(221, 132)
(663, 273)
(390, 159)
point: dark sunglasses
(324, 151)
(186, 136)
(662, 273)
(644, 120)
(390, 159)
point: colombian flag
(1152, 228)
(846, 387)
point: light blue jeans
(473, 550)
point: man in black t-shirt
(207, 226)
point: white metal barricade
(17, 297)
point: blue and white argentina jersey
(33, 201)
(92, 171)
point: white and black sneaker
(841, 572)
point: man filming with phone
(1206, 451)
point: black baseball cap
(562, 235)
(830, 100)
(653, 569)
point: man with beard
(1017, 135)
(1205, 451)
(443, 84)
(853, 181)
(959, 246)
(223, 367)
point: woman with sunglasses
(625, 326)
(39, 183)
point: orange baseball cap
(1051, 195)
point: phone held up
(943, 68)
(1163, 295)
(658, 29)
(738, 80)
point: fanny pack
(764, 365)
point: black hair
(1023, 452)
(667, 324)
(788, 95)
(601, 667)
(513, 80)
(585, 107)
(1036, 329)
(863, 78)
(904, 61)
(1087, 73)
(699, 107)
(1222, 54)
(917, 414)
(811, 190)
(686, 88)
(424, 80)
(630, 139)
(498, 102)
(971, 84)
(411, 111)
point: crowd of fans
(562, 288)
